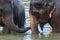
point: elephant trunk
(8, 20)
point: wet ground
(28, 35)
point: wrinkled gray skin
(12, 16)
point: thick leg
(19, 13)
(33, 24)
(6, 30)
(8, 21)
(56, 27)
(1, 22)
(22, 20)
(41, 26)
(55, 24)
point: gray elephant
(41, 12)
(12, 16)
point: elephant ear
(52, 11)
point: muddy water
(30, 37)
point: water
(28, 35)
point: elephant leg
(33, 24)
(6, 30)
(8, 21)
(56, 27)
(1, 22)
(22, 20)
(19, 13)
(53, 25)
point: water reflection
(42, 37)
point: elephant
(55, 21)
(41, 12)
(12, 16)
